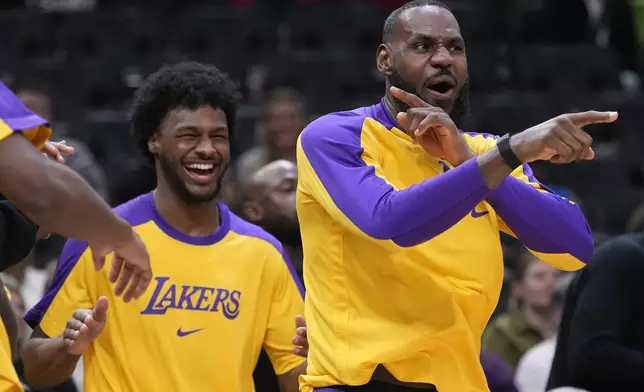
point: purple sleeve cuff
(543, 221)
(409, 216)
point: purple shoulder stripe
(242, 227)
(408, 217)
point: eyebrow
(433, 38)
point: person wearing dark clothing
(600, 345)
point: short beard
(460, 112)
(178, 187)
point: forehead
(204, 117)
(432, 21)
(277, 172)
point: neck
(292, 252)
(390, 105)
(541, 320)
(197, 220)
(275, 154)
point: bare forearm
(55, 196)
(289, 382)
(493, 168)
(47, 362)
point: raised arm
(55, 196)
(553, 228)
(550, 226)
(348, 181)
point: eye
(457, 48)
(421, 46)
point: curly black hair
(188, 85)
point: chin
(200, 194)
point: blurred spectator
(532, 316)
(534, 367)
(284, 118)
(82, 160)
(268, 200)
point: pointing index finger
(410, 99)
(592, 117)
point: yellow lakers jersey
(402, 255)
(214, 303)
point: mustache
(442, 72)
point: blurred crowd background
(77, 63)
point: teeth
(200, 166)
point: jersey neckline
(168, 229)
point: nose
(205, 148)
(442, 58)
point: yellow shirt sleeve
(286, 303)
(68, 292)
(37, 135)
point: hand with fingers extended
(560, 139)
(55, 150)
(300, 340)
(84, 326)
(130, 270)
(432, 129)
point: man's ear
(253, 211)
(384, 59)
(154, 145)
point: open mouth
(441, 87)
(201, 172)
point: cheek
(223, 149)
(460, 69)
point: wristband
(509, 157)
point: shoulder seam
(262, 239)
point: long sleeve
(550, 226)
(347, 180)
(605, 319)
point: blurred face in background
(273, 205)
(192, 148)
(283, 122)
(535, 287)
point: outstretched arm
(550, 226)
(55, 196)
(349, 183)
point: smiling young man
(401, 212)
(223, 289)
